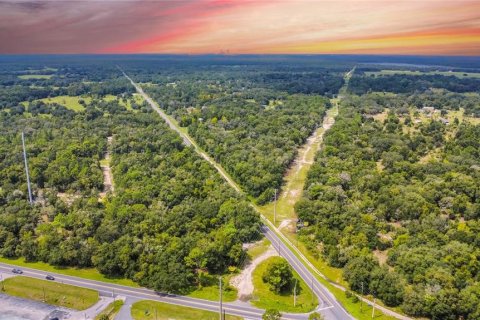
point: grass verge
(258, 248)
(111, 310)
(50, 292)
(212, 291)
(87, 273)
(265, 299)
(207, 293)
(359, 310)
(146, 310)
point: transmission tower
(30, 199)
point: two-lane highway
(328, 305)
(108, 289)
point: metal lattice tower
(30, 199)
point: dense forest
(401, 83)
(396, 205)
(253, 132)
(171, 219)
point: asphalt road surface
(109, 289)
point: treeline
(399, 211)
(374, 103)
(402, 83)
(322, 83)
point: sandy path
(306, 156)
(244, 282)
(107, 172)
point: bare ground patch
(107, 172)
(243, 281)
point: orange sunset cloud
(241, 26)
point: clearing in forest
(35, 76)
(297, 174)
(107, 171)
(244, 280)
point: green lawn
(69, 102)
(212, 292)
(145, 310)
(265, 299)
(50, 292)
(111, 310)
(72, 102)
(35, 76)
(86, 273)
(137, 98)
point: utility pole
(275, 209)
(221, 307)
(373, 307)
(295, 294)
(26, 170)
(361, 300)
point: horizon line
(241, 54)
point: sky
(426, 27)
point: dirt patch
(243, 282)
(285, 223)
(382, 256)
(68, 198)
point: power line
(275, 208)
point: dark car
(49, 277)
(17, 271)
